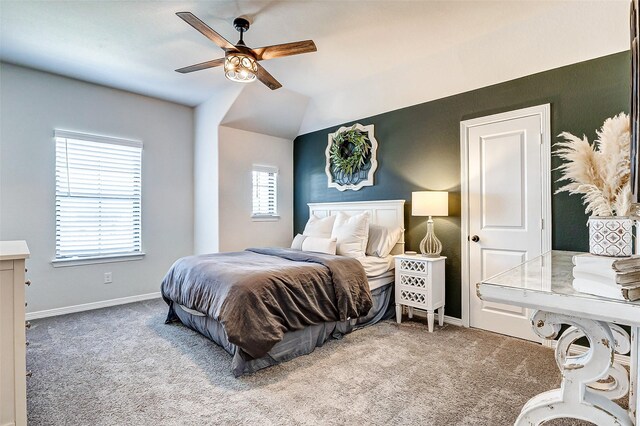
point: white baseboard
(579, 349)
(90, 306)
(447, 319)
(453, 321)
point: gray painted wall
(32, 105)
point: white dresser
(13, 394)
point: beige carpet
(124, 366)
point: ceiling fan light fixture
(240, 67)
(240, 61)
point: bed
(306, 299)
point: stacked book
(611, 277)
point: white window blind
(98, 196)
(265, 191)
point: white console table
(544, 284)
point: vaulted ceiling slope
(275, 113)
(373, 56)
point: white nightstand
(420, 284)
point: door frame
(544, 111)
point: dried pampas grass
(600, 172)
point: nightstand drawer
(413, 297)
(417, 266)
(416, 281)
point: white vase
(611, 236)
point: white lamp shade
(430, 203)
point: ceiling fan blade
(206, 30)
(287, 49)
(267, 79)
(201, 66)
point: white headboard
(389, 213)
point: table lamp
(430, 203)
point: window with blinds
(98, 196)
(265, 192)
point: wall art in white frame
(364, 176)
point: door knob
(475, 238)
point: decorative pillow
(352, 233)
(315, 244)
(319, 227)
(382, 240)
(296, 244)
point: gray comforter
(259, 294)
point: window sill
(265, 218)
(60, 263)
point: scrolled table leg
(574, 399)
(617, 385)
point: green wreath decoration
(349, 151)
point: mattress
(381, 280)
(375, 266)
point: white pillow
(315, 244)
(319, 227)
(352, 233)
(382, 240)
(296, 244)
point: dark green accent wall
(419, 149)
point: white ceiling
(373, 56)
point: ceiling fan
(241, 62)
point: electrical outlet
(108, 279)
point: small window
(265, 192)
(98, 197)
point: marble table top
(545, 283)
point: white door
(507, 198)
